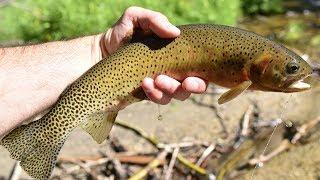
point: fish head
(280, 70)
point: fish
(224, 55)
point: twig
(190, 165)
(302, 130)
(171, 164)
(87, 169)
(155, 143)
(122, 157)
(139, 132)
(117, 165)
(205, 154)
(285, 145)
(15, 172)
(182, 144)
(63, 159)
(246, 121)
(153, 164)
(233, 159)
(89, 164)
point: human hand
(163, 88)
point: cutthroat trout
(226, 56)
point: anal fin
(98, 125)
(234, 92)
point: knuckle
(164, 101)
(182, 98)
(130, 10)
(160, 15)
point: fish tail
(29, 145)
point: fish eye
(292, 67)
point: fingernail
(163, 81)
(149, 81)
(173, 28)
(196, 85)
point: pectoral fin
(234, 92)
(98, 125)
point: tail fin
(37, 155)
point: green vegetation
(39, 21)
(315, 41)
(294, 31)
(252, 7)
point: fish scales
(223, 55)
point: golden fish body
(223, 55)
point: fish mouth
(290, 86)
(299, 86)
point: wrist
(99, 46)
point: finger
(153, 93)
(167, 84)
(151, 20)
(171, 87)
(194, 85)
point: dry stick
(243, 146)
(246, 148)
(246, 121)
(122, 157)
(190, 165)
(136, 159)
(302, 130)
(272, 133)
(285, 145)
(117, 165)
(171, 164)
(66, 159)
(182, 144)
(153, 164)
(78, 167)
(155, 143)
(205, 154)
(87, 169)
(15, 172)
(139, 132)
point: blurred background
(195, 139)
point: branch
(190, 165)
(302, 130)
(139, 132)
(171, 164)
(15, 172)
(153, 164)
(155, 143)
(205, 154)
(285, 145)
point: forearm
(33, 77)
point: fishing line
(287, 123)
(160, 117)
